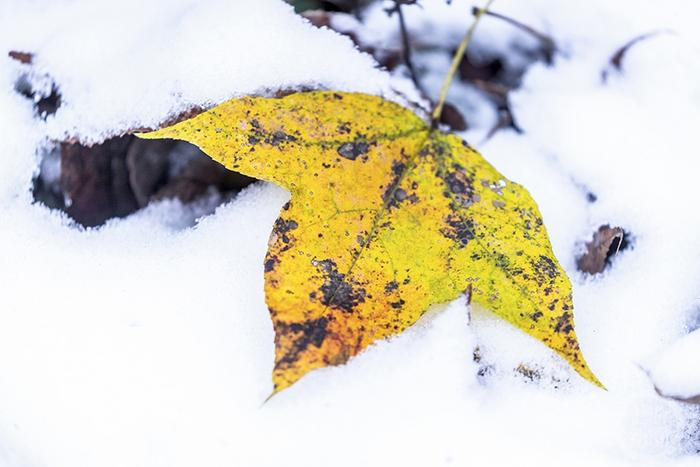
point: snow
(675, 370)
(147, 343)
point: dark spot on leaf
(279, 137)
(564, 323)
(393, 195)
(502, 261)
(270, 263)
(283, 226)
(310, 332)
(459, 229)
(547, 266)
(391, 286)
(400, 194)
(460, 186)
(338, 292)
(353, 150)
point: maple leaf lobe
(386, 218)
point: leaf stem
(437, 111)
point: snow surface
(676, 370)
(145, 344)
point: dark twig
(405, 39)
(406, 45)
(505, 120)
(499, 94)
(496, 90)
(615, 62)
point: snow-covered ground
(142, 343)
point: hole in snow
(124, 174)
(41, 90)
(601, 250)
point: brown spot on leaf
(564, 323)
(279, 137)
(270, 263)
(460, 186)
(393, 195)
(391, 286)
(310, 332)
(547, 267)
(338, 292)
(283, 226)
(459, 229)
(353, 150)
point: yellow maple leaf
(387, 216)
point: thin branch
(435, 117)
(615, 62)
(406, 44)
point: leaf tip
(584, 370)
(155, 134)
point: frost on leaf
(386, 218)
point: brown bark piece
(607, 241)
(22, 57)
